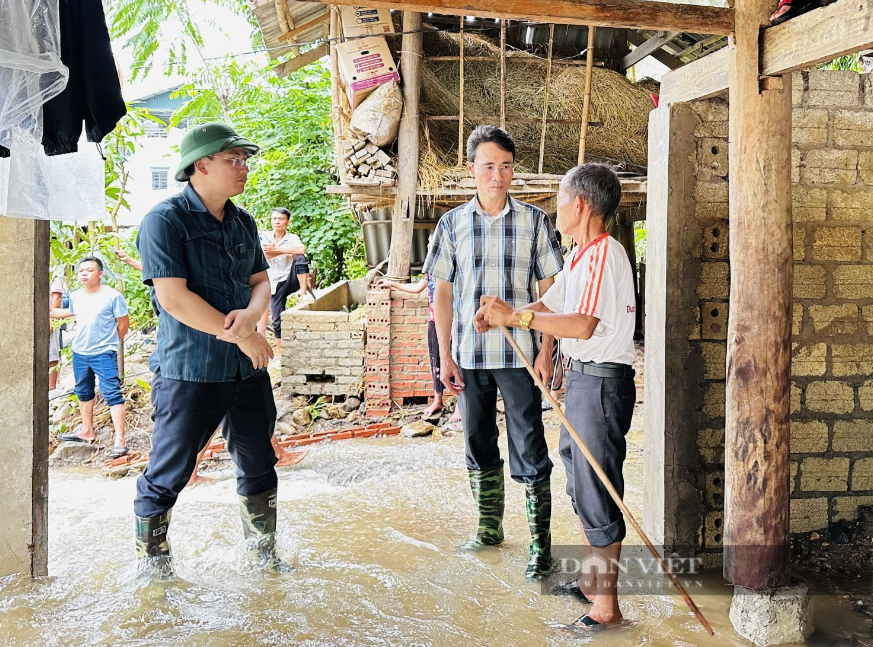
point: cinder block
(713, 360)
(834, 88)
(865, 167)
(853, 436)
(793, 468)
(712, 155)
(809, 126)
(714, 492)
(852, 359)
(853, 282)
(839, 319)
(799, 242)
(712, 130)
(808, 359)
(713, 400)
(867, 84)
(715, 241)
(846, 507)
(829, 166)
(714, 319)
(853, 127)
(711, 211)
(797, 89)
(853, 206)
(806, 515)
(713, 533)
(710, 443)
(714, 281)
(794, 398)
(809, 437)
(837, 244)
(862, 475)
(830, 397)
(714, 191)
(867, 318)
(796, 318)
(809, 281)
(824, 474)
(808, 204)
(865, 396)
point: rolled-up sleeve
(440, 261)
(549, 260)
(162, 249)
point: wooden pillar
(403, 219)
(24, 338)
(586, 99)
(334, 34)
(759, 326)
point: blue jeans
(105, 368)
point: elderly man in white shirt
(288, 271)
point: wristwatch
(524, 318)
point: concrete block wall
(398, 365)
(832, 317)
(323, 347)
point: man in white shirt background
(288, 272)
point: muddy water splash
(372, 527)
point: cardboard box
(365, 64)
(366, 21)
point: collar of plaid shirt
(502, 256)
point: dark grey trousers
(528, 453)
(600, 410)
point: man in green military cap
(202, 259)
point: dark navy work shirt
(179, 238)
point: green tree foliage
(289, 118)
(848, 63)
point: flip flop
(587, 623)
(74, 438)
(571, 588)
(118, 451)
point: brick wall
(832, 332)
(398, 366)
(323, 347)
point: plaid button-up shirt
(500, 256)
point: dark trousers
(601, 410)
(186, 415)
(528, 453)
(433, 350)
(285, 289)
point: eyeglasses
(488, 168)
(237, 162)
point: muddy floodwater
(372, 526)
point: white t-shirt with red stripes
(598, 281)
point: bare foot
(607, 617)
(435, 406)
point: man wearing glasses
(202, 258)
(496, 246)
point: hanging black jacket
(93, 93)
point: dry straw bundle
(619, 109)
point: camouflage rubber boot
(152, 546)
(539, 516)
(488, 493)
(258, 514)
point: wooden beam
(636, 14)
(403, 217)
(503, 74)
(302, 60)
(660, 55)
(757, 393)
(706, 77)
(648, 48)
(461, 97)
(546, 98)
(820, 35)
(701, 44)
(336, 92)
(292, 35)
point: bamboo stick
(546, 97)
(586, 100)
(461, 104)
(503, 74)
(606, 482)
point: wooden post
(503, 74)
(461, 99)
(403, 218)
(336, 90)
(546, 97)
(586, 99)
(759, 325)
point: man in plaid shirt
(496, 246)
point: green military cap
(208, 139)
